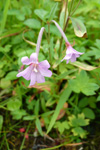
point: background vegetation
(66, 108)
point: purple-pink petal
(33, 78)
(26, 61)
(44, 64)
(26, 73)
(40, 78)
(45, 72)
(33, 58)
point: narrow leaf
(63, 98)
(38, 125)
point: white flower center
(35, 69)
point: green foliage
(76, 123)
(1, 122)
(14, 104)
(62, 126)
(83, 84)
(79, 27)
(20, 22)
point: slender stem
(65, 3)
(62, 37)
(24, 136)
(49, 42)
(66, 26)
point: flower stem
(49, 42)
(71, 5)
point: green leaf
(79, 27)
(14, 104)
(62, 15)
(36, 109)
(89, 113)
(63, 75)
(11, 75)
(30, 117)
(61, 126)
(63, 98)
(41, 13)
(18, 114)
(83, 102)
(53, 11)
(78, 131)
(83, 84)
(1, 122)
(32, 23)
(4, 83)
(78, 121)
(38, 125)
(83, 66)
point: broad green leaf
(63, 98)
(83, 66)
(78, 121)
(79, 27)
(81, 120)
(38, 126)
(14, 104)
(83, 102)
(32, 23)
(82, 84)
(42, 14)
(4, 83)
(61, 126)
(11, 75)
(18, 114)
(1, 122)
(78, 131)
(53, 11)
(89, 113)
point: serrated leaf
(78, 131)
(83, 84)
(79, 27)
(61, 126)
(78, 121)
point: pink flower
(71, 53)
(36, 70)
(22, 130)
